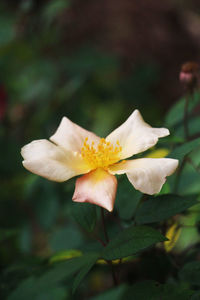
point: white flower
(75, 151)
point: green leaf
(152, 290)
(159, 208)
(191, 273)
(54, 8)
(8, 233)
(24, 291)
(193, 128)
(127, 199)
(83, 272)
(67, 269)
(175, 115)
(58, 293)
(7, 30)
(144, 290)
(130, 241)
(196, 296)
(112, 294)
(85, 215)
(66, 238)
(176, 292)
(65, 255)
(184, 149)
(32, 287)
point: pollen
(102, 155)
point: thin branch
(185, 118)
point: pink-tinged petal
(43, 158)
(97, 187)
(135, 135)
(71, 136)
(146, 174)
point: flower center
(101, 156)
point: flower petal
(146, 174)
(71, 136)
(135, 135)
(97, 187)
(43, 158)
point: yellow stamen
(102, 155)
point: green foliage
(51, 67)
(148, 289)
(190, 273)
(113, 294)
(185, 149)
(195, 296)
(130, 241)
(64, 255)
(85, 215)
(30, 289)
(34, 287)
(7, 30)
(63, 238)
(143, 290)
(83, 272)
(127, 199)
(176, 113)
(160, 208)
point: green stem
(189, 94)
(185, 118)
(114, 276)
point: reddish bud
(189, 74)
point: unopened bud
(189, 74)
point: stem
(115, 280)
(185, 119)
(189, 94)
(99, 240)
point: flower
(75, 151)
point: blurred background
(94, 62)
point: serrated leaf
(160, 208)
(85, 215)
(191, 273)
(184, 149)
(130, 241)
